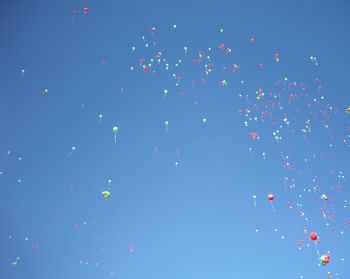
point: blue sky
(196, 219)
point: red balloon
(326, 259)
(270, 197)
(86, 10)
(313, 236)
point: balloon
(277, 56)
(106, 194)
(86, 10)
(324, 197)
(347, 110)
(254, 198)
(115, 130)
(73, 149)
(324, 259)
(271, 197)
(313, 236)
(252, 40)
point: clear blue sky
(196, 219)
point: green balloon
(115, 130)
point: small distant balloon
(313, 236)
(86, 10)
(204, 120)
(277, 57)
(166, 123)
(106, 194)
(347, 110)
(224, 82)
(271, 197)
(252, 40)
(115, 131)
(324, 259)
(72, 150)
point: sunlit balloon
(72, 150)
(277, 57)
(115, 131)
(313, 236)
(166, 123)
(324, 259)
(106, 194)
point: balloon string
(273, 208)
(318, 252)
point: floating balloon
(224, 82)
(277, 57)
(166, 123)
(313, 236)
(347, 110)
(324, 197)
(115, 131)
(252, 40)
(106, 194)
(86, 10)
(72, 150)
(204, 120)
(185, 50)
(271, 197)
(44, 92)
(324, 259)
